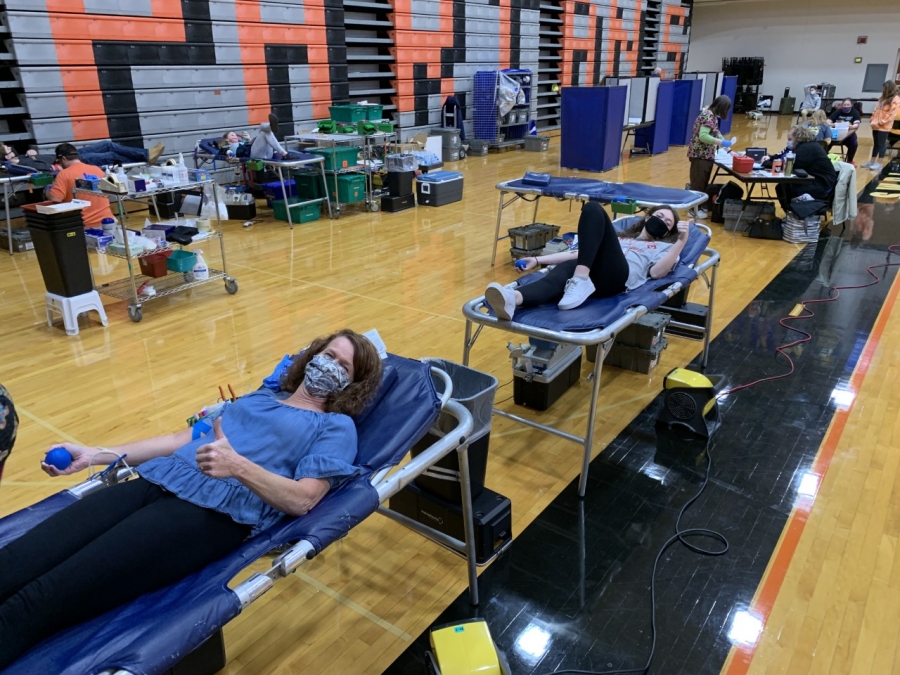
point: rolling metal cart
(291, 165)
(173, 282)
(11, 185)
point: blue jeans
(104, 153)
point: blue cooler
(439, 188)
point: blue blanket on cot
(601, 191)
(598, 313)
(151, 634)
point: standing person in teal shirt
(704, 142)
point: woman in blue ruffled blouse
(268, 455)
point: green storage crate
(625, 207)
(338, 157)
(373, 112)
(300, 214)
(309, 185)
(41, 179)
(366, 128)
(387, 127)
(347, 113)
(181, 261)
(351, 188)
(344, 128)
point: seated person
(846, 112)
(812, 102)
(606, 263)
(62, 189)
(232, 142)
(32, 162)
(270, 455)
(812, 158)
(9, 424)
(818, 122)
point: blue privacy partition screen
(729, 89)
(655, 138)
(686, 104)
(591, 131)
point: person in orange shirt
(64, 183)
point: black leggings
(598, 249)
(100, 552)
(880, 139)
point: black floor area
(573, 589)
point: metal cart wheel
(135, 313)
(462, 153)
(231, 285)
(373, 206)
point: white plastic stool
(70, 308)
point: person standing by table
(62, 189)
(705, 140)
(882, 121)
(847, 113)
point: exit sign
(858, 59)
(862, 39)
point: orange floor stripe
(771, 585)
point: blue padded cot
(599, 320)
(155, 631)
(571, 188)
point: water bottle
(789, 163)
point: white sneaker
(700, 214)
(501, 299)
(875, 166)
(578, 289)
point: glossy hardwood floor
(356, 606)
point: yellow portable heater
(689, 400)
(465, 648)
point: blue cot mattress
(602, 191)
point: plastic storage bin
(61, 250)
(273, 190)
(337, 158)
(301, 214)
(309, 186)
(532, 237)
(348, 113)
(154, 265)
(732, 211)
(474, 390)
(543, 390)
(373, 111)
(351, 188)
(181, 261)
(537, 143)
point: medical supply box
(491, 512)
(633, 358)
(439, 188)
(645, 333)
(554, 368)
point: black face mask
(656, 227)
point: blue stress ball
(520, 265)
(59, 457)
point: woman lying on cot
(231, 144)
(195, 501)
(606, 263)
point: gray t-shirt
(641, 256)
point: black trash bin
(474, 390)
(61, 251)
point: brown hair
(720, 106)
(819, 117)
(635, 230)
(366, 373)
(888, 91)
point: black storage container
(690, 313)
(400, 183)
(543, 390)
(61, 251)
(207, 659)
(241, 211)
(394, 204)
(491, 513)
(475, 391)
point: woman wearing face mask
(811, 158)
(704, 142)
(845, 112)
(606, 263)
(269, 455)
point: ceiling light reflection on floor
(745, 628)
(533, 643)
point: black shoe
(273, 122)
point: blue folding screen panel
(591, 129)
(686, 104)
(729, 89)
(656, 137)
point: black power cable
(679, 536)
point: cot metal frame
(475, 312)
(522, 192)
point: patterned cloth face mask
(324, 376)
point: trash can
(474, 390)
(61, 251)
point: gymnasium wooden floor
(359, 604)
